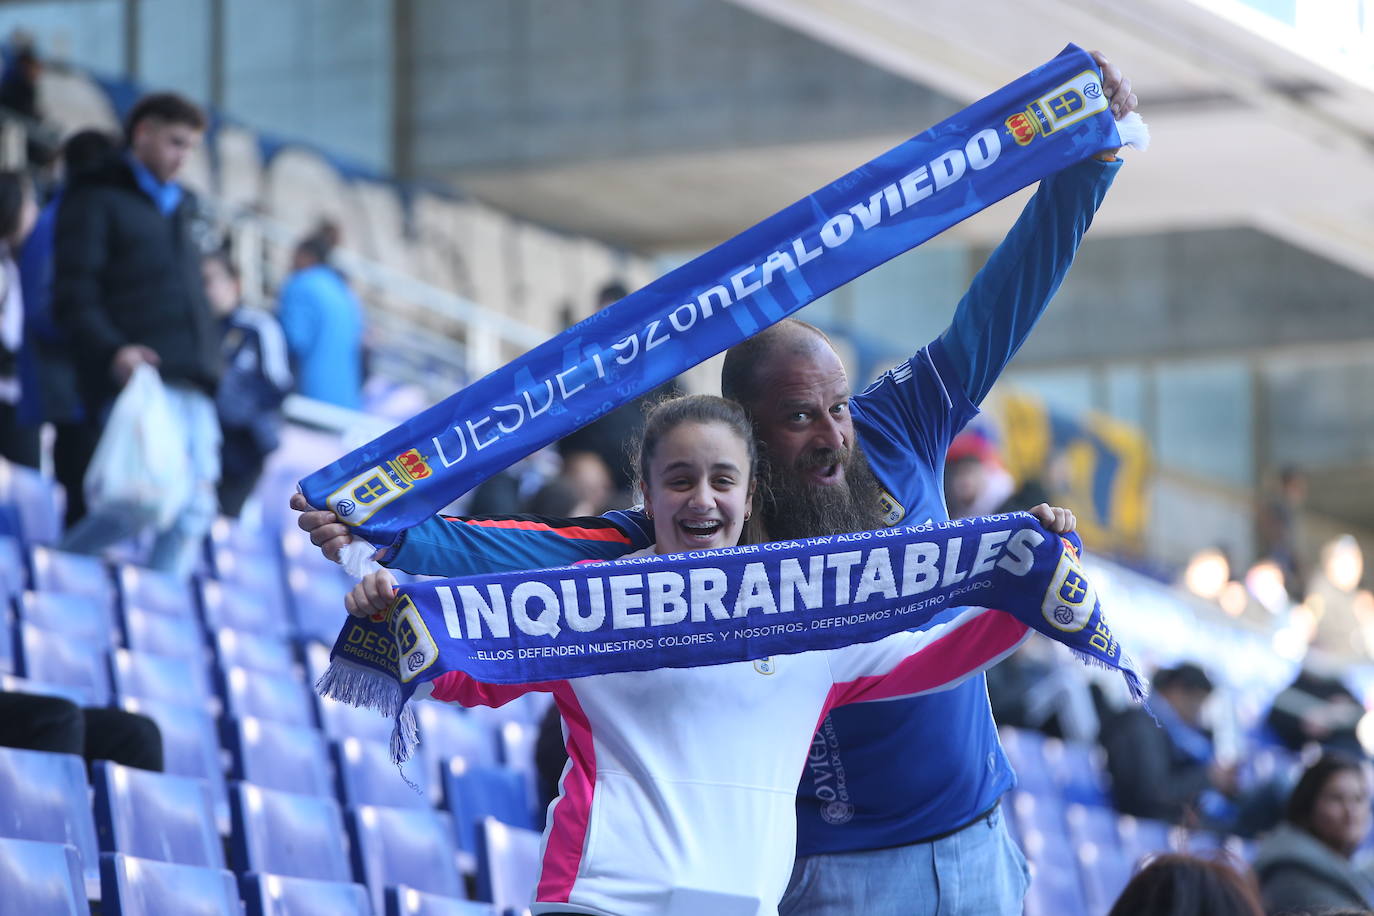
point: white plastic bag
(141, 464)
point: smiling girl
(680, 789)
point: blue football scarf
(1051, 118)
(714, 607)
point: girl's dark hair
(1304, 796)
(1181, 885)
(668, 415)
(14, 188)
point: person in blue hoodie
(323, 321)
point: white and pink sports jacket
(685, 779)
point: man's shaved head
(749, 363)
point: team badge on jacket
(893, 511)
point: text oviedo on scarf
(878, 210)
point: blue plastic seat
(1044, 839)
(316, 597)
(474, 793)
(240, 606)
(160, 677)
(1141, 837)
(517, 741)
(1026, 751)
(190, 746)
(44, 797)
(156, 816)
(164, 634)
(368, 777)
(1104, 864)
(239, 552)
(275, 895)
(407, 901)
(76, 616)
(9, 663)
(56, 659)
(398, 846)
(264, 695)
(281, 833)
(75, 573)
(1079, 771)
(14, 569)
(132, 886)
(254, 651)
(41, 878)
(288, 758)
(507, 865)
(446, 732)
(151, 590)
(16, 684)
(35, 500)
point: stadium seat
(517, 741)
(253, 651)
(146, 887)
(1079, 772)
(158, 592)
(1141, 837)
(9, 664)
(264, 695)
(241, 607)
(407, 901)
(35, 500)
(317, 600)
(190, 746)
(398, 846)
(78, 574)
(160, 677)
(156, 816)
(275, 895)
(14, 573)
(1103, 861)
(76, 616)
(368, 777)
(41, 878)
(1026, 751)
(1056, 889)
(15, 684)
(287, 758)
(44, 797)
(474, 793)
(447, 731)
(281, 833)
(507, 865)
(163, 634)
(56, 659)
(239, 552)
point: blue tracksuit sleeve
(1022, 274)
(454, 546)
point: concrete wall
(502, 83)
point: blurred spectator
(1306, 864)
(1342, 626)
(257, 378)
(127, 288)
(19, 83)
(50, 392)
(18, 442)
(608, 438)
(1042, 687)
(1277, 524)
(976, 482)
(323, 321)
(1317, 708)
(1181, 885)
(41, 723)
(1167, 771)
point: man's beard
(795, 508)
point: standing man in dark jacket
(127, 289)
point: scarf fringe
(361, 687)
(1134, 132)
(1139, 687)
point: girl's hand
(372, 595)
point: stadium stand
(41, 878)
(273, 895)
(146, 887)
(397, 846)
